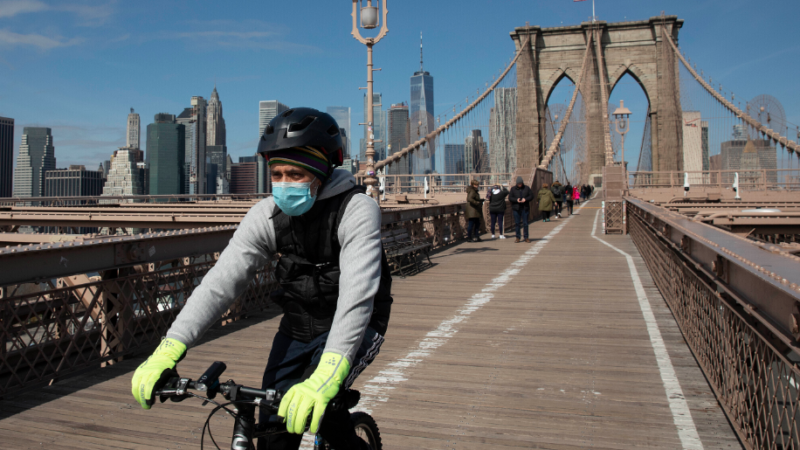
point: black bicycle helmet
(300, 127)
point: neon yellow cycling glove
(312, 396)
(156, 370)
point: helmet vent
(333, 130)
(287, 113)
(303, 124)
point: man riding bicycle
(323, 229)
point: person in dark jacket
(546, 202)
(474, 212)
(520, 197)
(568, 197)
(497, 208)
(558, 192)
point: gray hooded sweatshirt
(252, 246)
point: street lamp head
(369, 16)
(622, 111)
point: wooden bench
(403, 250)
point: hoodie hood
(519, 180)
(340, 181)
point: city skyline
(43, 84)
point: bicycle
(245, 401)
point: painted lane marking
(681, 415)
(378, 389)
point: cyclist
(323, 229)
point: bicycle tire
(367, 429)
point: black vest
(308, 270)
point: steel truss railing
(57, 319)
(87, 321)
(739, 318)
(750, 180)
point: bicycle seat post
(244, 428)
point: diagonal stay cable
(432, 135)
(551, 152)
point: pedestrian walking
(577, 193)
(497, 208)
(546, 201)
(558, 193)
(520, 196)
(568, 197)
(474, 212)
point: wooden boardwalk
(498, 345)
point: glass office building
(165, 155)
(421, 116)
(398, 138)
(36, 156)
(6, 156)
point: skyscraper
(215, 125)
(6, 156)
(692, 144)
(123, 177)
(217, 158)
(194, 119)
(503, 131)
(165, 155)
(267, 110)
(186, 119)
(378, 128)
(421, 116)
(36, 156)
(198, 181)
(398, 125)
(134, 129)
(476, 156)
(706, 161)
(453, 162)
(341, 114)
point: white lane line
(378, 389)
(681, 415)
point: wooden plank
(560, 358)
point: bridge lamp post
(370, 18)
(623, 125)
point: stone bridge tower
(636, 48)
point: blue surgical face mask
(294, 199)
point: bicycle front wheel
(367, 429)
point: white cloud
(11, 8)
(248, 34)
(36, 40)
(91, 12)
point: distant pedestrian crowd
(552, 200)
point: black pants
(473, 227)
(546, 215)
(569, 206)
(290, 362)
(497, 219)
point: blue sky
(78, 66)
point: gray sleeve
(360, 263)
(249, 250)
